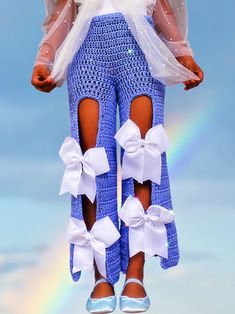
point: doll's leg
(92, 100)
(141, 99)
(145, 107)
(88, 117)
(141, 114)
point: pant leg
(134, 79)
(87, 77)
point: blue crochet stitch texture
(111, 68)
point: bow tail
(82, 258)
(155, 240)
(70, 181)
(132, 165)
(99, 255)
(87, 185)
(152, 166)
(136, 240)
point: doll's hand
(189, 63)
(41, 79)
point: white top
(106, 7)
(67, 23)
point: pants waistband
(105, 18)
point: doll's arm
(60, 15)
(171, 23)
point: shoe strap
(133, 280)
(100, 280)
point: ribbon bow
(90, 245)
(80, 171)
(147, 230)
(142, 157)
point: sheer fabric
(67, 23)
(171, 24)
(60, 15)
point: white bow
(147, 230)
(142, 157)
(80, 171)
(90, 245)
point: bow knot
(81, 170)
(89, 237)
(142, 142)
(90, 245)
(81, 159)
(146, 217)
(142, 157)
(147, 230)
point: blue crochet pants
(111, 68)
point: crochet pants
(110, 68)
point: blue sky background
(33, 216)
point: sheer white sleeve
(171, 23)
(162, 62)
(67, 23)
(60, 15)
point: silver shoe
(101, 305)
(133, 305)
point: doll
(113, 55)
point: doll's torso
(108, 6)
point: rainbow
(186, 135)
(50, 288)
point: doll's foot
(101, 300)
(103, 289)
(134, 290)
(131, 304)
(135, 270)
